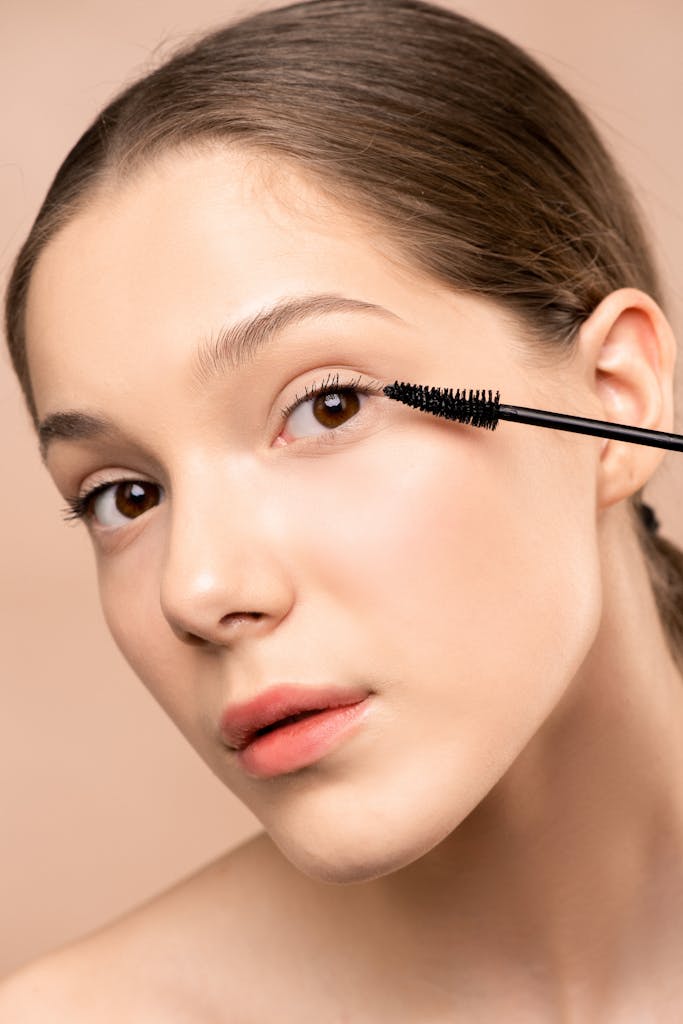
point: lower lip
(301, 743)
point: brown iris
(133, 498)
(332, 407)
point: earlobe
(630, 353)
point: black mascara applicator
(481, 410)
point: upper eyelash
(78, 505)
(330, 384)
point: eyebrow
(231, 348)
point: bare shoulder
(35, 993)
(168, 960)
(61, 986)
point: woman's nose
(221, 577)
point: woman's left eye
(327, 406)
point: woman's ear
(628, 350)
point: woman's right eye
(126, 499)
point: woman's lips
(240, 722)
(289, 747)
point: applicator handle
(598, 428)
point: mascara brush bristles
(482, 411)
(478, 408)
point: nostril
(238, 617)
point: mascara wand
(482, 411)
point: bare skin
(503, 839)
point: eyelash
(78, 506)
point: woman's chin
(337, 855)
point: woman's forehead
(178, 242)
(192, 235)
(140, 275)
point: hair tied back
(647, 514)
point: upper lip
(239, 722)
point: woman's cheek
(129, 595)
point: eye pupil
(330, 405)
(132, 498)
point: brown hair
(486, 173)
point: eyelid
(78, 505)
(329, 383)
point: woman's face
(449, 571)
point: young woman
(240, 252)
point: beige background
(102, 801)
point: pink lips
(240, 722)
(288, 748)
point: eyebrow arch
(233, 347)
